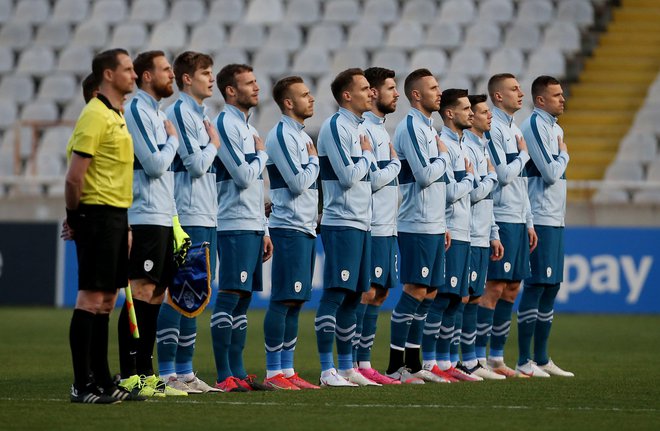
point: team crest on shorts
(454, 281)
(548, 272)
(345, 274)
(378, 271)
(297, 286)
(243, 276)
(507, 266)
(148, 265)
(473, 276)
(425, 272)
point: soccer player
(243, 240)
(151, 262)
(446, 309)
(421, 224)
(98, 192)
(385, 202)
(196, 205)
(508, 151)
(484, 235)
(345, 155)
(547, 195)
(293, 167)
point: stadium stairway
(611, 88)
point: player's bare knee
(416, 291)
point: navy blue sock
(544, 324)
(484, 328)
(345, 330)
(274, 324)
(402, 318)
(432, 327)
(501, 327)
(186, 348)
(469, 332)
(359, 323)
(528, 310)
(325, 324)
(447, 329)
(456, 337)
(167, 338)
(415, 336)
(290, 337)
(369, 324)
(221, 324)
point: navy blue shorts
(457, 262)
(547, 260)
(514, 266)
(479, 257)
(347, 258)
(293, 265)
(422, 259)
(384, 262)
(200, 234)
(240, 258)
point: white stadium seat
(285, 36)
(15, 35)
(498, 11)
(470, 63)
(188, 11)
(547, 61)
(406, 34)
(429, 58)
(94, 34)
(17, 87)
(535, 12)
(37, 61)
(446, 35)
(148, 11)
(57, 87)
(420, 11)
(506, 59)
(75, 59)
(349, 57)
(207, 36)
(392, 58)
(460, 11)
(130, 35)
(564, 36)
(271, 61)
(325, 36)
(8, 113)
(264, 11)
(303, 12)
(484, 35)
(580, 12)
(31, 11)
(54, 34)
(381, 11)
(169, 36)
(524, 36)
(366, 34)
(342, 12)
(226, 11)
(109, 11)
(311, 61)
(71, 11)
(625, 170)
(247, 36)
(6, 59)
(39, 110)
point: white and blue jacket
(153, 179)
(384, 181)
(293, 174)
(458, 188)
(482, 222)
(194, 173)
(239, 168)
(345, 172)
(546, 172)
(510, 201)
(423, 177)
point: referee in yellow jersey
(98, 192)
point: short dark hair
(144, 62)
(89, 85)
(495, 80)
(187, 63)
(412, 79)
(227, 76)
(343, 81)
(476, 99)
(377, 76)
(281, 89)
(106, 60)
(450, 98)
(541, 83)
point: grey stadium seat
(625, 170)
(226, 11)
(535, 12)
(563, 35)
(110, 11)
(130, 35)
(303, 12)
(406, 34)
(470, 63)
(484, 35)
(342, 12)
(31, 11)
(506, 59)
(168, 36)
(15, 35)
(381, 11)
(271, 61)
(498, 11)
(73, 108)
(264, 11)
(6, 7)
(285, 36)
(247, 36)
(420, 11)
(18, 87)
(311, 61)
(446, 35)
(429, 58)
(523, 35)
(54, 34)
(224, 55)
(326, 36)
(392, 58)
(207, 36)
(460, 11)
(8, 113)
(71, 11)
(455, 80)
(349, 57)
(37, 61)
(39, 110)
(148, 11)
(75, 59)
(93, 34)
(547, 61)
(366, 34)
(188, 11)
(580, 12)
(59, 88)
(6, 59)
(638, 146)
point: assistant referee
(98, 192)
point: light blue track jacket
(384, 181)
(239, 170)
(194, 173)
(459, 186)
(511, 204)
(153, 178)
(345, 172)
(482, 222)
(293, 174)
(423, 179)
(546, 172)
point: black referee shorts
(152, 255)
(102, 248)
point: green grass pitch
(615, 359)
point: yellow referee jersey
(101, 133)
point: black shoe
(121, 394)
(252, 381)
(91, 396)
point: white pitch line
(388, 406)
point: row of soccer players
(209, 175)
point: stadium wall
(607, 270)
